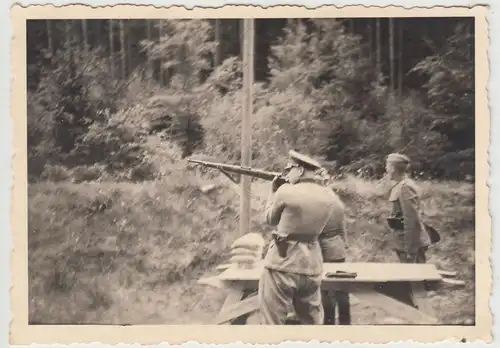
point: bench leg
(393, 307)
(235, 294)
(236, 308)
(421, 300)
(244, 319)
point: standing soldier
(293, 266)
(333, 243)
(411, 238)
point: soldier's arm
(343, 226)
(275, 206)
(409, 207)
(343, 223)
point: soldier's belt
(304, 238)
(282, 246)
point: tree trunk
(129, 53)
(218, 42)
(379, 48)
(67, 32)
(149, 61)
(470, 32)
(162, 70)
(241, 35)
(111, 49)
(369, 30)
(352, 26)
(49, 37)
(122, 49)
(85, 36)
(400, 60)
(391, 52)
(97, 28)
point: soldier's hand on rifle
(275, 184)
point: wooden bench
(376, 284)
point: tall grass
(131, 253)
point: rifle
(230, 168)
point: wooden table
(375, 283)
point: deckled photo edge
(21, 333)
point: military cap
(304, 160)
(398, 158)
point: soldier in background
(293, 266)
(410, 237)
(333, 243)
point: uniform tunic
(294, 281)
(303, 209)
(404, 197)
(333, 240)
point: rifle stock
(230, 168)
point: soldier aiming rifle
(311, 230)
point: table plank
(367, 272)
(215, 282)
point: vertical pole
(246, 124)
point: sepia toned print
(219, 175)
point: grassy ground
(120, 253)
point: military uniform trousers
(404, 293)
(332, 300)
(279, 291)
(333, 249)
(418, 257)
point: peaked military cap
(304, 160)
(398, 158)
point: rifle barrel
(258, 173)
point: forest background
(120, 228)
(345, 91)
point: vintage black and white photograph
(252, 171)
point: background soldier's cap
(304, 160)
(399, 158)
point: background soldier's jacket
(303, 209)
(333, 240)
(409, 231)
